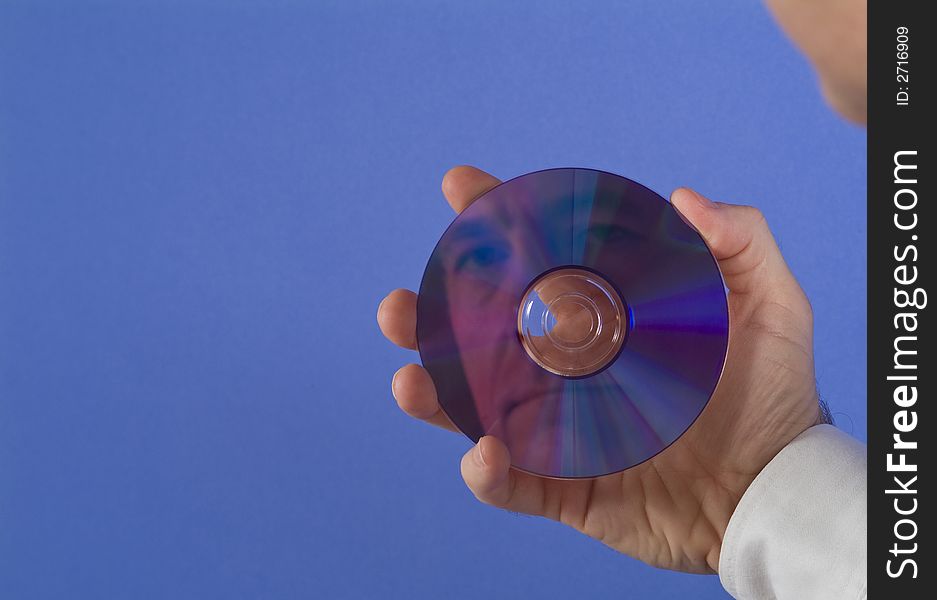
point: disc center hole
(571, 321)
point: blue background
(201, 205)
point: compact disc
(574, 315)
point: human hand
(672, 510)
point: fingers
(397, 313)
(486, 469)
(416, 395)
(487, 472)
(412, 386)
(740, 240)
(396, 317)
(461, 185)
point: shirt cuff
(799, 531)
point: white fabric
(800, 529)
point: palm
(672, 510)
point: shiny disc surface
(574, 315)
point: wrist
(720, 507)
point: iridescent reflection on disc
(574, 315)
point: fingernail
(479, 455)
(393, 384)
(379, 306)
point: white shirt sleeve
(799, 530)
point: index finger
(463, 184)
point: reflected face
(529, 316)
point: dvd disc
(573, 314)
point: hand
(671, 511)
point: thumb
(487, 471)
(740, 240)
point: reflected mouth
(557, 395)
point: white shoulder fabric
(800, 529)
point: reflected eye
(612, 233)
(482, 256)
